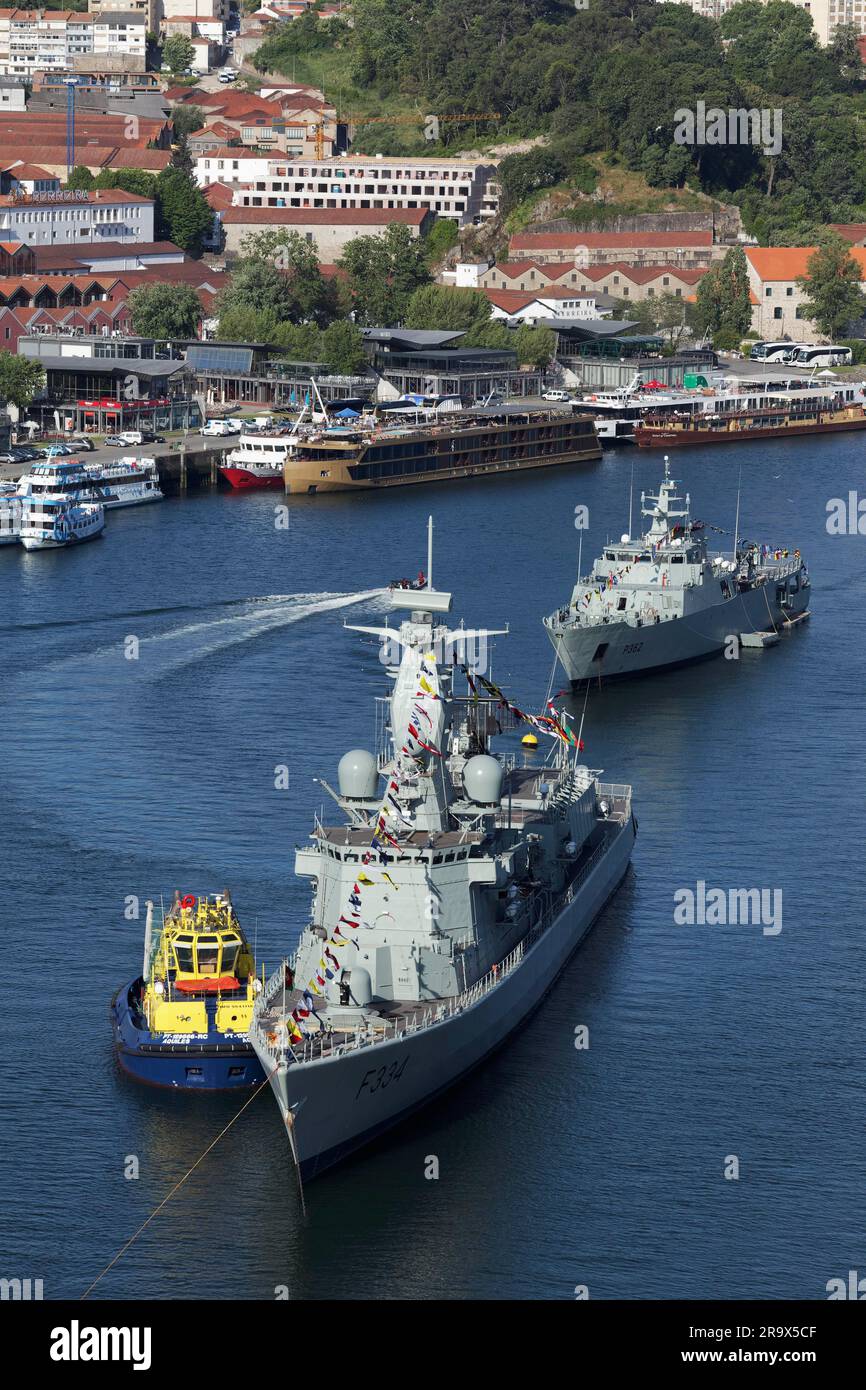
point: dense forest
(608, 79)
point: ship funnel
(357, 775)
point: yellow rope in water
(133, 1238)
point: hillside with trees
(608, 79)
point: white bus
(827, 355)
(771, 352)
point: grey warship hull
(619, 650)
(663, 599)
(343, 1098)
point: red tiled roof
(218, 195)
(511, 301)
(787, 262)
(851, 231)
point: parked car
(148, 437)
(82, 445)
(115, 441)
(556, 396)
(216, 429)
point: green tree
(671, 318)
(440, 306)
(832, 287)
(165, 311)
(244, 324)
(186, 118)
(80, 178)
(20, 379)
(256, 285)
(384, 272)
(723, 299)
(343, 347)
(184, 214)
(178, 52)
(306, 294)
(441, 238)
(534, 346)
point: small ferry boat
(59, 506)
(10, 514)
(126, 482)
(183, 1022)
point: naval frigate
(665, 600)
(444, 905)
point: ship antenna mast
(429, 552)
(630, 498)
(737, 521)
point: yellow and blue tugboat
(184, 1021)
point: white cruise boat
(126, 482)
(59, 506)
(10, 514)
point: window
(768, 292)
(789, 291)
(777, 313)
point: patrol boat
(665, 600)
(446, 902)
(183, 1021)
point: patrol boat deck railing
(431, 1012)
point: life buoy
(188, 902)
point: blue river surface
(559, 1167)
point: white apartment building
(59, 219)
(65, 41)
(826, 14)
(456, 188)
(151, 9)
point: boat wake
(114, 790)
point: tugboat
(183, 1021)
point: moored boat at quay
(458, 444)
(664, 599)
(445, 904)
(126, 482)
(59, 505)
(777, 420)
(10, 514)
(182, 1023)
(641, 412)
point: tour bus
(771, 352)
(826, 355)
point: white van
(215, 429)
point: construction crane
(430, 123)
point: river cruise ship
(500, 439)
